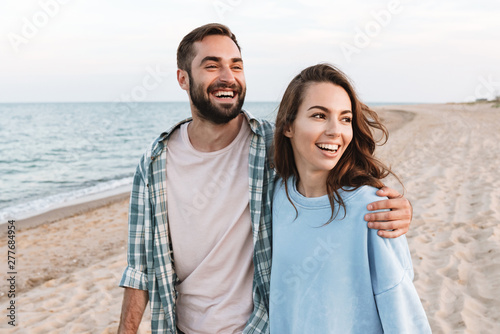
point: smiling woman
(321, 132)
(343, 278)
(323, 98)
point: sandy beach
(447, 157)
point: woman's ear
(288, 132)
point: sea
(52, 154)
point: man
(205, 266)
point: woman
(330, 273)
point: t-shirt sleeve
(398, 303)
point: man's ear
(288, 132)
(183, 79)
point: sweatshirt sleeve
(398, 304)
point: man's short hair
(185, 51)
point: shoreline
(72, 208)
(394, 117)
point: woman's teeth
(328, 147)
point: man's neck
(206, 136)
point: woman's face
(322, 129)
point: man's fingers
(388, 225)
(391, 229)
(392, 223)
(397, 215)
(394, 203)
(392, 234)
(389, 192)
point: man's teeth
(328, 147)
(224, 94)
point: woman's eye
(347, 119)
(318, 116)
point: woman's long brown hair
(357, 166)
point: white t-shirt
(210, 226)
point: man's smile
(225, 94)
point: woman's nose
(332, 129)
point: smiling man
(222, 100)
(200, 209)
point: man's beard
(211, 112)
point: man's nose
(226, 75)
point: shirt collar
(158, 145)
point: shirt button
(271, 165)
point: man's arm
(133, 306)
(134, 279)
(398, 219)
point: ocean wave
(40, 205)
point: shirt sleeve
(398, 303)
(135, 275)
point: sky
(122, 50)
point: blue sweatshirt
(340, 277)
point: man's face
(217, 82)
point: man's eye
(210, 66)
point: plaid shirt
(150, 256)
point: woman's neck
(312, 184)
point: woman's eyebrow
(319, 107)
(328, 110)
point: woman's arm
(391, 271)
